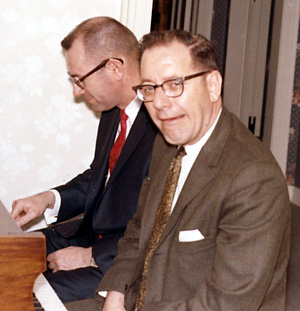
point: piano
(22, 261)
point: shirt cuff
(50, 214)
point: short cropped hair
(201, 50)
(103, 36)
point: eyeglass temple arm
(102, 64)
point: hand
(70, 258)
(27, 209)
(114, 301)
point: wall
(279, 99)
(47, 137)
(280, 78)
(293, 159)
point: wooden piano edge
(22, 260)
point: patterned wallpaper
(46, 137)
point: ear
(116, 67)
(214, 85)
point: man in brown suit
(225, 246)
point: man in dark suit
(102, 60)
(225, 239)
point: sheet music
(7, 224)
(46, 295)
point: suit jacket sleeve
(73, 196)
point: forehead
(168, 60)
(77, 49)
(76, 58)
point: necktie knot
(180, 153)
(123, 117)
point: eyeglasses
(79, 81)
(172, 88)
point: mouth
(89, 100)
(171, 119)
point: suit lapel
(199, 176)
(135, 135)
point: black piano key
(37, 304)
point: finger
(24, 219)
(50, 257)
(14, 203)
(16, 210)
(52, 266)
(17, 217)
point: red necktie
(117, 147)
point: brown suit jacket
(236, 196)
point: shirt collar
(133, 108)
(196, 148)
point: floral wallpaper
(46, 136)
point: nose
(160, 100)
(77, 91)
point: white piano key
(46, 295)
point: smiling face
(185, 119)
(100, 89)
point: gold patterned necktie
(161, 219)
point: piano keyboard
(37, 304)
(47, 296)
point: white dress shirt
(192, 152)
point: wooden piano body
(22, 260)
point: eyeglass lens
(172, 88)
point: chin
(172, 141)
(175, 139)
(96, 107)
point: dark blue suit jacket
(107, 209)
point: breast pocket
(185, 243)
(193, 261)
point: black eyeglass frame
(181, 80)
(98, 67)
